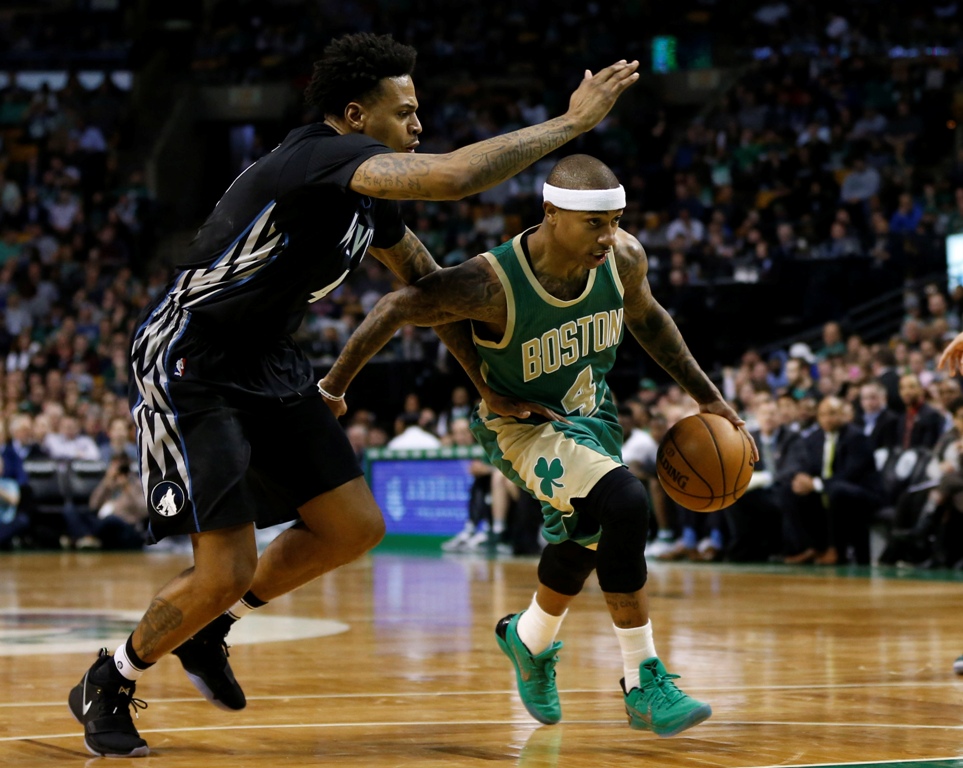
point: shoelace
(133, 703)
(136, 704)
(548, 672)
(666, 686)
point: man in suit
(921, 424)
(20, 447)
(884, 370)
(754, 520)
(833, 490)
(875, 420)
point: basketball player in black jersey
(232, 431)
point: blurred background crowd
(794, 170)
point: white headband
(585, 199)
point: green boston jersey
(553, 352)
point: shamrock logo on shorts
(549, 473)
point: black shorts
(213, 454)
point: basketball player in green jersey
(548, 310)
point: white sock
(498, 526)
(637, 646)
(537, 629)
(241, 608)
(125, 666)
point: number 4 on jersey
(581, 395)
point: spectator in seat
(18, 448)
(69, 443)
(13, 521)
(875, 420)
(885, 371)
(119, 442)
(120, 508)
(922, 424)
(834, 489)
(753, 521)
(799, 376)
(413, 435)
(947, 392)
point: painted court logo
(167, 498)
(56, 631)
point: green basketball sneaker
(535, 675)
(658, 706)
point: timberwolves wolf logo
(167, 498)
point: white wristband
(328, 395)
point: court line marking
(436, 723)
(509, 691)
(908, 761)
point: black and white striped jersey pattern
(253, 250)
(160, 443)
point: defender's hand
(952, 358)
(597, 94)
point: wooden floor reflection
(394, 664)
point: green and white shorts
(555, 462)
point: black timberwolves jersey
(285, 233)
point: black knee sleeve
(621, 506)
(564, 567)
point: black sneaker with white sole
(204, 658)
(101, 703)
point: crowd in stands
(830, 149)
(74, 224)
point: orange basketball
(704, 462)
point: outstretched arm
(410, 261)
(656, 331)
(468, 291)
(480, 166)
(952, 358)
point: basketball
(704, 463)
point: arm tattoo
(161, 618)
(501, 157)
(657, 332)
(466, 171)
(393, 176)
(468, 291)
(457, 337)
(660, 337)
(408, 260)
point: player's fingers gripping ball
(704, 463)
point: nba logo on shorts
(167, 498)
(179, 366)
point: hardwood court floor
(396, 665)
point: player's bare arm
(409, 260)
(470, 291)
(653, 327)
(951, 360)
(480, 166)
